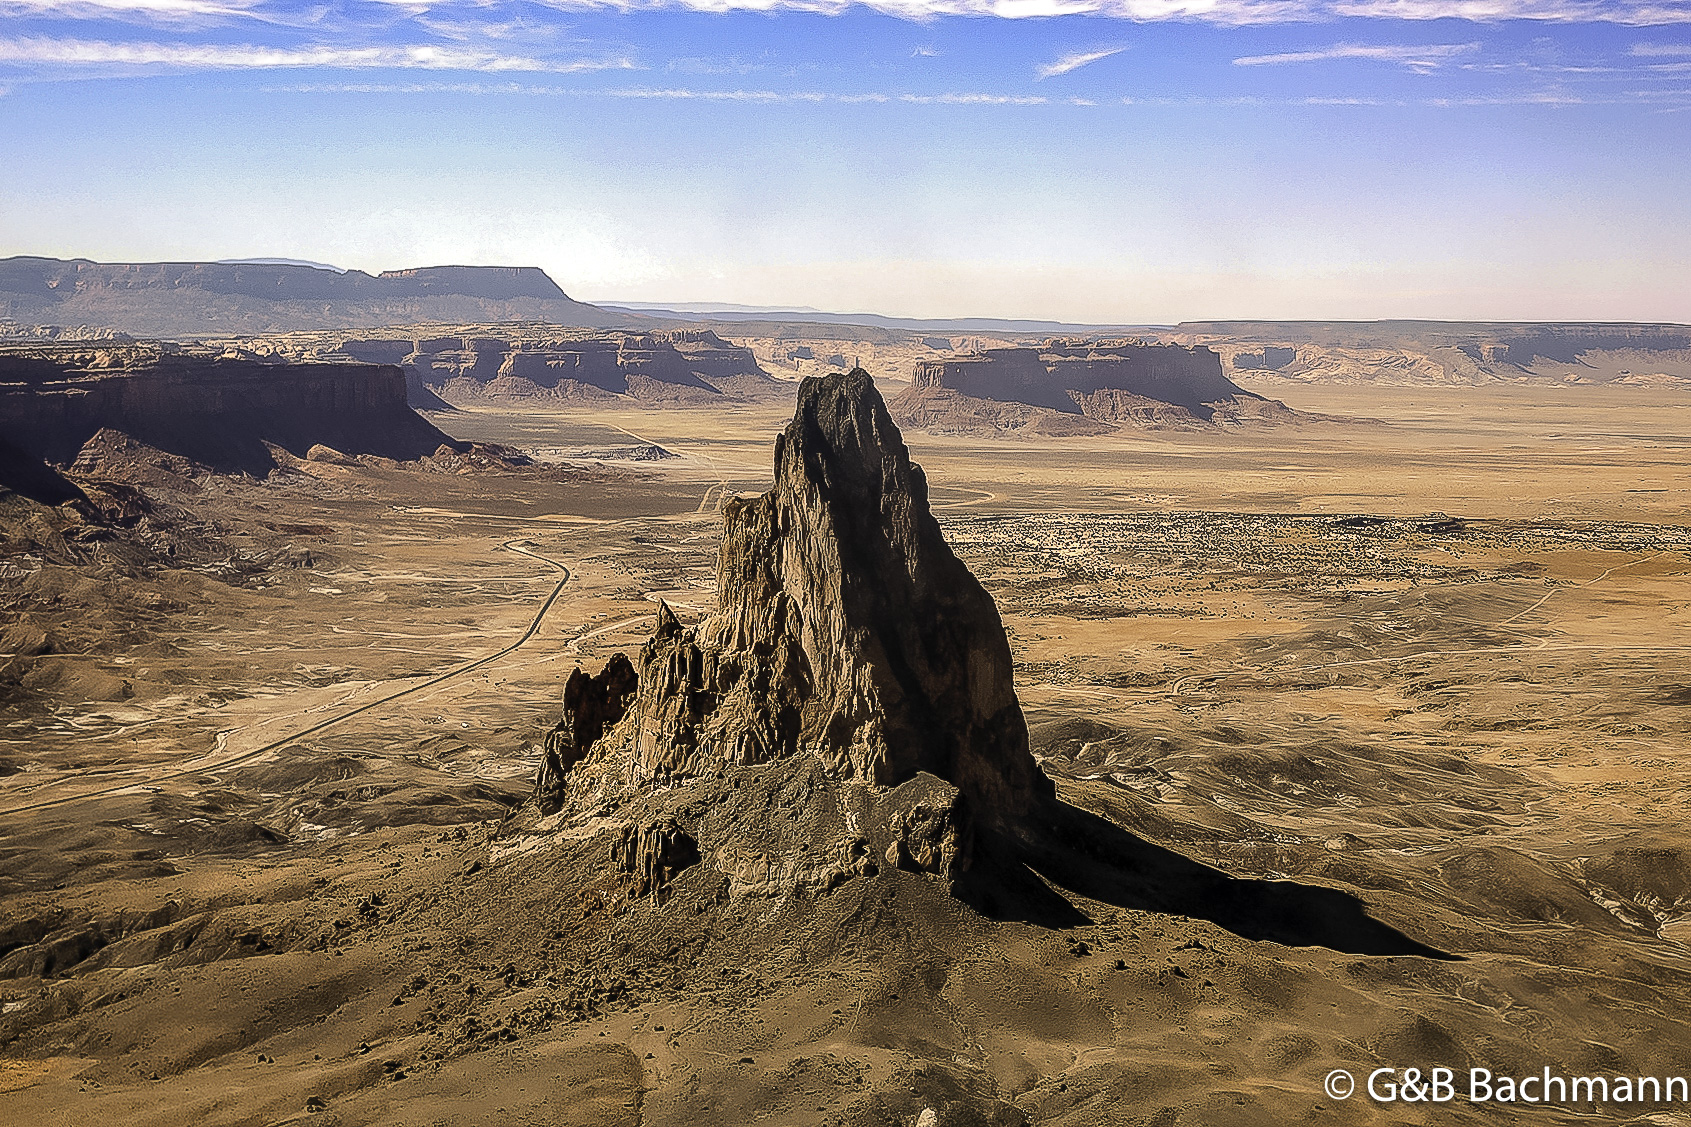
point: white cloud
(1075, 61)
(684, 94)
(817, 96)
(148, 9)
(1420, 58)
(695, 64)
(1661, 50)
(972, 99)
(1670, 98)
(1632, 12)
(678, 94)
(93, 52)
(1225, 12)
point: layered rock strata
(1112, 382)
(693, 365)
(217, 411)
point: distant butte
(691, 367)
(1081, 387)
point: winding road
(200, 767)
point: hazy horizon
(1092, 163)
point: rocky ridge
(1407, 353)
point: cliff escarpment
(217, 411)
(176, 298)
(1450, 352)
(1114, 383)
(682, 367)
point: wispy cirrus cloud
(1661, 50)
(193, 56)
(1641, 13)
(684, 94)
(1665, 100)
(1075, 61)
(162, 10)
(1420, 57)
(966, 98)
(1225, 12)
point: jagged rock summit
(848, 630)
(851, 648)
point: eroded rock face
(591, 704)
(847, 712)
(220, 411)
(848, 630)
(685, 365)
(930, 829)
(650, 856)
(1126, 382)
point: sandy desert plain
(1436, 661)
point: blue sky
(1097, 160)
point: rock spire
(847, 629)
(849, 702)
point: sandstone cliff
(219, 412)
(1449, 352)
(1111, 382)
(688, 366)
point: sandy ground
(1436, 660)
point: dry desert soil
(260, 864)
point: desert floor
(253, 829)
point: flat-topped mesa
(847, 630)
(1066, 375)
(223, 411)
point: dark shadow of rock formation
(1082, 854)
